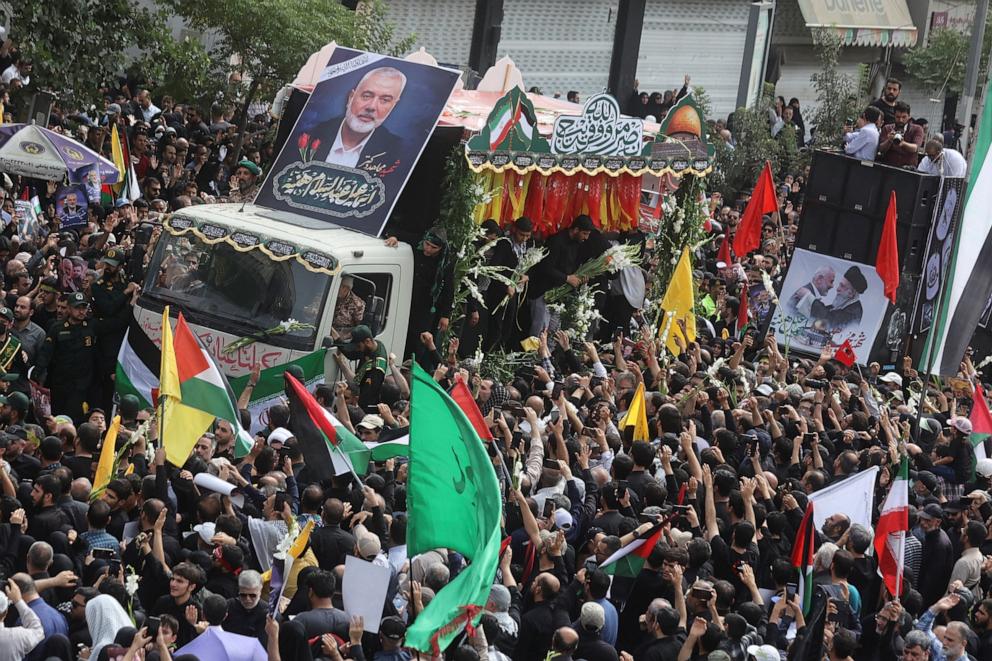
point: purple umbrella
(33, 151)
(215, 644)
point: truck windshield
(241, 293)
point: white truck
(241, 270)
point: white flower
(131, 583)
(674, 261)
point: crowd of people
(740, 433)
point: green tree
(940, 63)
(738, 168)
(836, 92)
(77, 45)
(272, 39)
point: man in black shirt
(887, 102)
(186, 579)
(47, 518)
(667, 633)
(331, 543)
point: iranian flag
(802, 558)
(981, 423)
(328, 447)
(629, 560)
(501, 124)
(890, 533)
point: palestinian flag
(270, 387)
(629, 560)
(328, 447)
(890, 533)
(137, 366)
(802, 558)
(463, 397)
(203, 387)
(392, 443)
(501, 122)
(968, 279)
(981, 423)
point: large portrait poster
(356, 141)
(826, 300)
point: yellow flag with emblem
(637, 416)
(680, 305)
(105, 466)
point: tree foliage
(77, 45)
(941, 62)
(836, 92)
(739, 167)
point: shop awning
(863, 22)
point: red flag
(887, 260)
(656, 211)
(763, 201)
(463, 397)
(845, 354)
(742, 311)
(724, 253)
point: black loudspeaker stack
(843, 216)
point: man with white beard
(359, 137)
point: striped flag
(323, 440)
(802, 558)
(629, 560)
(968, 279)
(137, 366)
(502, 123)
(392, 443)
(199, 393)
(981, 423)
(890, 533)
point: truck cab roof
(316, 234)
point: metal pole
(971, 72)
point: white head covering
(105, 617)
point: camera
(897, 138)
(816, 383)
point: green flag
(454, 502)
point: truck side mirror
(378, 314)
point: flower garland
(284, 327)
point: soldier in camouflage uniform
(349, 310)
(246, 175)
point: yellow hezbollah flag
(105, 467)
(300, 543)
(637, 416)
(678, 303)
(117, 152)
(179, 425)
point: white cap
(891, 377)
(279, 435)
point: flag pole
(351, 468)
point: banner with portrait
(354, 146)
(938, 252)
(70, 206)
(827, 300)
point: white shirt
(16, 642)
(149, 112)
(13, 72)
(950, 164)
(862, 144)
(341, 155)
